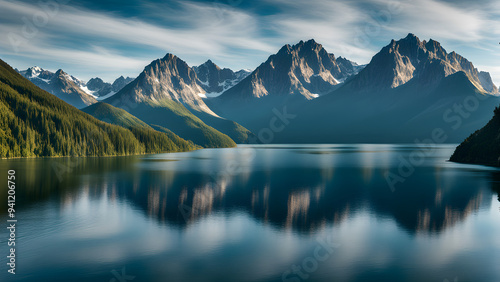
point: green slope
(235, 131)
(173, 116)
(483, 146)
(113, 115)
(34, 123)
(141, 130)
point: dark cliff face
(305, 69)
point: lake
(256, 213)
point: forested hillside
(34, 123)
(482, 147)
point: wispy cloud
(88, 42)
(213, 32)
(442, 20)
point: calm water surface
(255, 213)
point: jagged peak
(285, 49)
(431, 46)
(210, 64)
(170, 56)
(169, 59)
(34, 71)
(124, 78)
(411, 36)
(432, 42)
(59, 72)
(95, 79)
(311, 42)
(340, 58)
(409, 39)
(35, 68)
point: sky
(109, 38)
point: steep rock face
(170, 79)
(215, 80)
(409, 58)
(305, 69)
(487, 82)
(66, 88)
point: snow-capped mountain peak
(71, 89)
(215, 80)
(411, 59)
(304, 69)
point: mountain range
(72, 90)
(408, 89)
(167, 94)
(215, 80)
(304, 69)
(302, 94)
(97, 87)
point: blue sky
(112, 38)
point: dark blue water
(256, 213)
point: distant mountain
(487, 83)
(167, 94)
(120, 82)
(71, 89)
(34, 122)
(425, 62)
(483, 146)
(304, 69)
(102, 90)
(215, 80)
(64, 86)
(98, 87)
